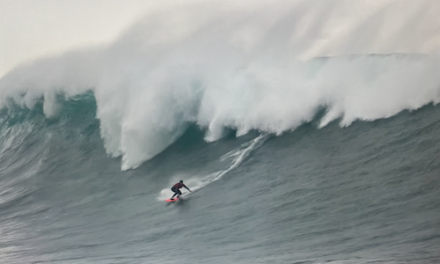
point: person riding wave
(176, 190)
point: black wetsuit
(176, 188)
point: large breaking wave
(269, 68)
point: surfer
(176, 190)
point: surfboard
(173, 200)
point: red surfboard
(172, 200)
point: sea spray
(267, 69)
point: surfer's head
(181, 181)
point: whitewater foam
(247, 69)
(237, 156)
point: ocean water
(368, 193)
(329, 159)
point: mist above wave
(261, 68)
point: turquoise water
(307, 130)
(367, 193)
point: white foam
(197, 182)
(245, 68)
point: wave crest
(222, 69)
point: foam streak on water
(238, 155)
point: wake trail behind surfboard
(238, 156)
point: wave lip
(163, 74)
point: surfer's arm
(186, 187)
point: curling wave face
(246, 69)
